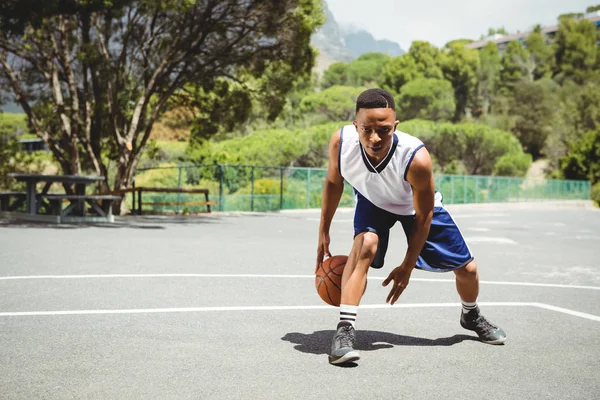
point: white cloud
(439, 21)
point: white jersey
(384, 184)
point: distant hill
(345, 43)
(359, 41)
(328, 39)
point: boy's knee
(468, 271)
(368, 247)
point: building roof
(505, 39)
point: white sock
(348, 313)
(466, 307)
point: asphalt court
(224, 306)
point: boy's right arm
(332, 193)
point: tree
(455, 41)
(541, 56)
(366, 68)
(534, 105)
(592, 9)
(515, 66)
(398, 72)
(460, 66)
(93, 76)
(488, 75)
(575, 49)
(583, 161)
(222, 107)
(578, 111)
(513, 164)
(499, 31)
(421, 61)
(422, 98)
(427, 59)
(484, 147)
(478, 148)
(338, 103)
(336, 74)
(12, 157)
(574, 16)
(493, 31)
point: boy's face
(376, 128)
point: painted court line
(273, 276)
(288, 308)
(475, 229)
(480, 215)
(486, 239)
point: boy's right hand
(322, 248)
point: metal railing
(266, 188)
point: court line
(289, 308)
(480, 215)
(274, 276)
(487, 239)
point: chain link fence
(265, 188)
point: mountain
(328, 39)
(359, 41)
(345, 43)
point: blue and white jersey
(384, 184)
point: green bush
(595, 195)
(477, 148)
(513, 164)
(583, 161)
(431, 99)
(12, 159)
(336, 102)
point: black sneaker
(488, 332)
(342, 346)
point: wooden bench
(104, 209)
(137, 209)
(5, 200)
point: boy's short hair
(375, 98)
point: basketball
(328, 279)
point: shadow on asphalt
(319, 342)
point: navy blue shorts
(444, 250)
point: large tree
(583, 161)
(366, 69)
(430, 99)
(578, 111)
(398, 72)
(541, 55)
(576, 50)
(515, 66)
(338, 103)
(460, 66)
(488, 73)
(534, 106)
(93, 76)
(336, 74)
(427, 59)
(421, 61)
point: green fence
(261, 188)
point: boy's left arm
(420, 176)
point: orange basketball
(328, 279)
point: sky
(439, 21)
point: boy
(392, 177)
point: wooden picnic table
(35, 200)
(140, 190)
